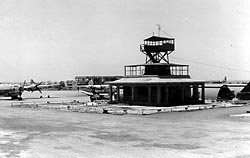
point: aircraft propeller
(37, 88)
(21, 88)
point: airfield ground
(43, 133)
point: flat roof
(157, 38)
(103, 76)
(152, 64)
(153, 80)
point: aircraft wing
(41, 86)
(87, 93)
(48, 86)
(104, 94)
(83, 86)
(93, 86)
(219, 85)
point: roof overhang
(157, 38)
(155, 81)
(156, 64)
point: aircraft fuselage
(11, 90)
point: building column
(182, 93)
(166, 95)
(110, 93)
(149, 94)
(132, 93)
(118, 93)
(195, 92)
(203, 93)
(158, 94)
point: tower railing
(176, 71)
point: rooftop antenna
(159, 29)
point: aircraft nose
(21, 89)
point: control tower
(157, 82)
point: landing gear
(91, 99)
(16, 97)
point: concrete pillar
(118, 93)
(149, 94)
(110, 93)
(203, 93)
(195, 92)
(158, 94)
(132, 93)
(166, 95)
(182, 93)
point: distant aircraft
(37, 86)
(96, 92)
(244, 94)
(12, 90)
(225, 94)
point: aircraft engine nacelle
(16, 88)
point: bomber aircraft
(12, 90)
(37, 86)
(15, 90)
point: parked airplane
(15, 90)
(12, 90)
(96, 92)
(225, 94)
(37, 86)
(33, 86)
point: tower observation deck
(157, 50)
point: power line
(211, 65)
(167, 34)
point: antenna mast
(159, 29)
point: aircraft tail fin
(32, 81)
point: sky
(59, 39)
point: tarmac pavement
(43, 133)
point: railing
(157, 48)
(134, 70)
(175, 70)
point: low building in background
(95, 80)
